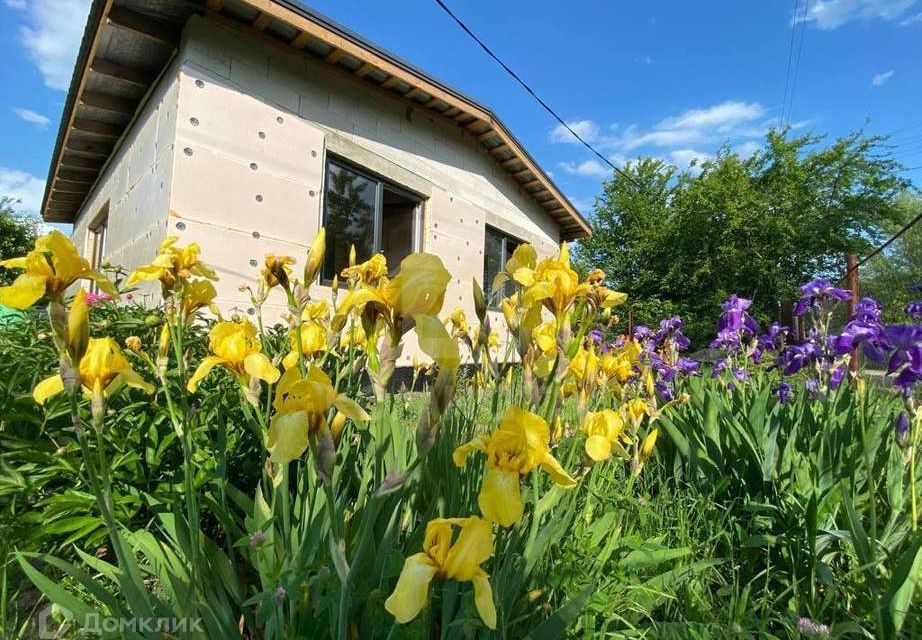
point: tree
(889, 276)
(17, 235)
(757, 226)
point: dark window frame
(97, 238)
(493, 300)
(381, 183)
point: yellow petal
(204, 368)
(436, 343)
(25, 291)
(291, 360)
(132, 379)
(649, 443)
(14, 263)
(459, 456)
(315, 257)
(598, 447)
(412, 591)
(350, 408)
(259, 366)
(557, 473)
(473, 547)
(419, 288)
(483, 599)
(47, 388)
(500, 499)
(288, 436)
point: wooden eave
(99, 116)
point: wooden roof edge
(305, 20)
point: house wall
(136, 184)
(255, 121)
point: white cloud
(51, 36)
(585, 129)
(587, 169)
(911, 20)
(720, 122)
(684, 157)
(692, 134)
(747, 148)
(882, 78)
(32, 117)
(22, 186)
(583, 205)
(831, 14)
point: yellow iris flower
(604, 433)
(367, 272)
(458, 321)
(236, 348)
(50, 268)
(276, 270)
(199, 294)
(521, 443)
(313, 341)
(443, 559)
(103, 370)
(172, 264)
(553, 282)
(301, 406)
(419, 289)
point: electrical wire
(787, 74)
(534, 95)
(909, 225)
(800, 49)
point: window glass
(370, 214)
(493, 261)
(349, 218)
(398, 222)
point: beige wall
(253, 124)
(135, 185)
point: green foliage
(758, 226)
(888, 276)
(17, 235)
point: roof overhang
(127, 44)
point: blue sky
(672, 79)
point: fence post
(630, 323)
(854, 285)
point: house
(246, 125)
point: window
(96, 241)
(370, 214)
(498, 248)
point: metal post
(630, 323)
(854, 285)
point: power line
(534, 95)
(800, 48)
(787, 74)
(909, 225)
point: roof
(128, 43)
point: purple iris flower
(771, 339)
(664, 390)
(836, 378)
(914, 310)
(815, 292)
(596, 336)
(784, 391)
(672, 328)
(720, 365)
(642, 332)
(901, 428)
(741, 374)
(726, 339)
(868, 310)
(688, 366)
(734, 317)
(796, 357)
